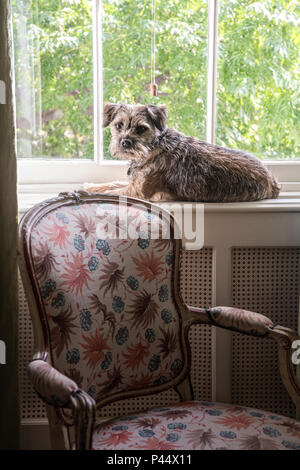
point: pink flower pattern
(199, 426)
(109, 302)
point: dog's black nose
(126, 143)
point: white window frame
(60, 171)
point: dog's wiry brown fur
(167, 165)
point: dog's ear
(158, 114)
(109, 112)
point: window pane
(54, 78)
(181, 58)
(258, 77)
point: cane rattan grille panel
(31, 406)
(265, 280)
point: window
(54, 78)
(228, 72)
(181, 58)
(258, 77)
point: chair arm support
(285, 338)
(58, 390)
(255, 324)
(84, 410)
(52, 387)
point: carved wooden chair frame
(78, 408)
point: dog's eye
(140, 129)
(119, 126)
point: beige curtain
(9, 399)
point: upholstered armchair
(110, 323)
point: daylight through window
(257, 72)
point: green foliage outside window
(181, 58)
(258, 71)
(54, 78)
(259, 77)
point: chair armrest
(234, 319)
(52, 387)
(242, 321)
(58, 390)
(255, 324)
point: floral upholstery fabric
(108, 301)
(200, 426)
(52, 386)
(244, 321)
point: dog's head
(134, 128)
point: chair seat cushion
(200, 426)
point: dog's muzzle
(126, 143)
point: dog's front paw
(105, 187)
(94, 188)
(161, 197)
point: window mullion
(98, 80)
(212, 70)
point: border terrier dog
(166, 165)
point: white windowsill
(288, 201)
(60, 172)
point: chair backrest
(104, 293)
